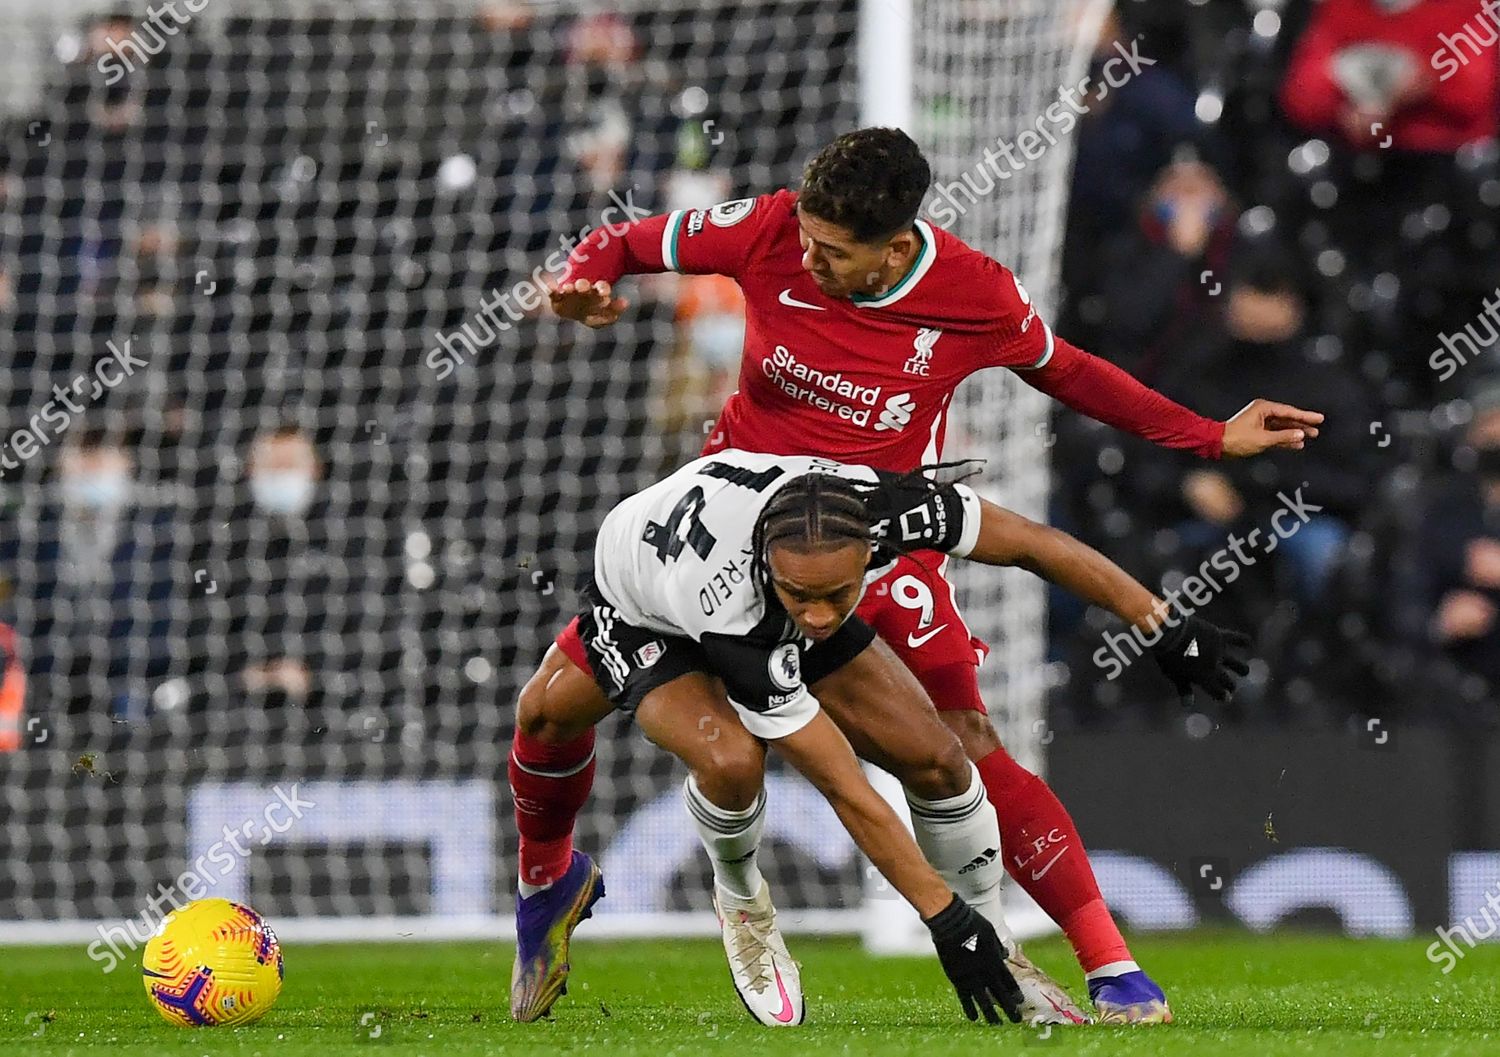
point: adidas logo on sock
(983, 859)
(972, 943)
(1192, 650)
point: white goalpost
(961, 77)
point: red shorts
(571, 643)
(913, 609)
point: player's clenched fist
(974, 959)
(592, 304)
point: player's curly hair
(870, 181)
(816, 511)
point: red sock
(1045, 855)
(549, 784)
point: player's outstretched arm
(687, 241)
(1190, 650)
(971, 954)
(584, 292)
(1095, 387)
(821, 753)
(1007, 538)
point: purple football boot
(1129, 997)
(544, 925)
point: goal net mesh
(288, 515)
(984, 74)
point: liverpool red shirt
(868, 380)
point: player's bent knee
(938, 774)
(975, 731)
(731, 771)
(532, 719)
(558, 703)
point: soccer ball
(212, 962)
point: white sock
(527, 890)
(960, 836)
(732, 840)
(1112, 969)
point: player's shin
(1046, 857)
(960, 837)
(731, 839)
(549, 785)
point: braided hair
(813, 511)
(816, 511)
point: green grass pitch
(1232, 995)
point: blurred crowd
(282, 524)
(1300, 201)
(1297, 200)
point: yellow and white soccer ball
(212, 963)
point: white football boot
(1043, 999)
(760, 966)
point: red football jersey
(868, 380)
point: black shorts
(629, 662)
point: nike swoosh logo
(786, 298)
(1066, 1014)
(914, 640)
(1037, 875)
(786, 1013)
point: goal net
(297, 479)
(980, 75)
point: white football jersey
(676, 558)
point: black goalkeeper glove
(1197, 653)
(974, 959)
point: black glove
(974, 959)
(1197, 653)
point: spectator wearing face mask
(1129, 133)
(275, 557)
(283, 472)
(91, 581)
(309, 578)
(1167, 269)
(1458, 557)
(267, 559)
